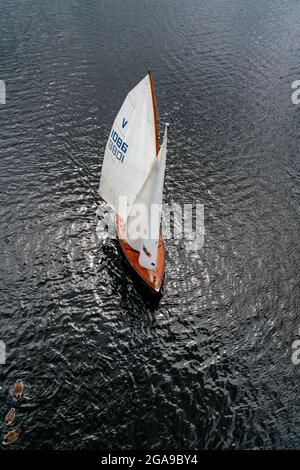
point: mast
(155, 114)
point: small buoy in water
(12, 436)
(19, 388)
(10, 417)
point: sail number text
(117, 146)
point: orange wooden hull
(153, 279)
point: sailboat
(132, 181)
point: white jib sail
(144, 219)
(130, 150)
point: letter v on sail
(133, 171)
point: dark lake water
(210, 365)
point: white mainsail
(130, 150)
(147, 206)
